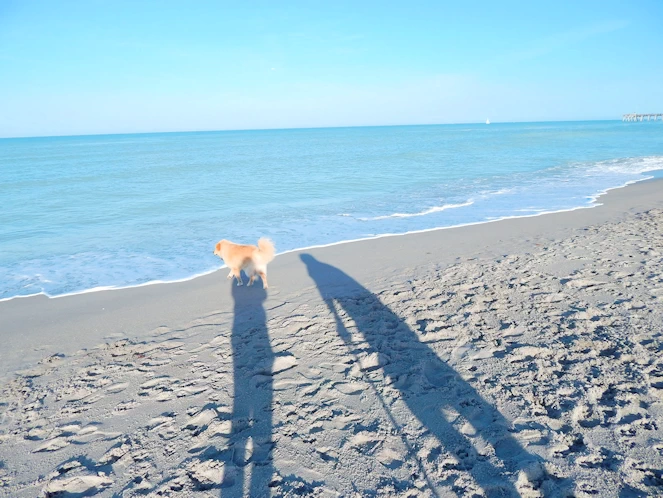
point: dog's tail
(266, 250)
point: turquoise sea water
(120, 210)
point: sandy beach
(520, 357)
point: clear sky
(95, 66)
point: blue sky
(97, 66)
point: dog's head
(218, 249)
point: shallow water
(120, 210)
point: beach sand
(518, 357)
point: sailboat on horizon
(487, 121)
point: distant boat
(487, 121)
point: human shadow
(433, 391)
(235, 458)
(251, 430)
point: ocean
(87, 212)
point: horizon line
(298, 128)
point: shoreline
(37, 326)
(593, 199)
(520, 357)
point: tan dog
(253, 260)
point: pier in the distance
(642, 117)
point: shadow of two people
(445, 389)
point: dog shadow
(430, 387)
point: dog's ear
(218, 246)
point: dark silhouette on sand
(252, 400)
(447, 389)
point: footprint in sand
(79, 485)
(436, 376)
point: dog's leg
(263, 275)
(250, 271)
(230, 275)
(238, 275)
